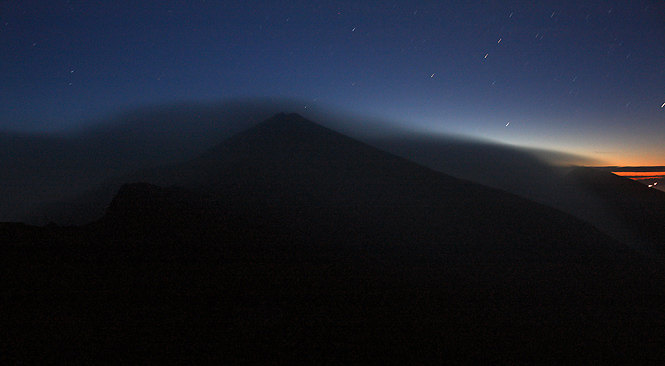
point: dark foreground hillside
(291, 242)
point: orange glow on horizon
(641, 175)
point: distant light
(662, 106)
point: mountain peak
(289, 136)
(289, 119)
(286, 115)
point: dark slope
(641, 208)
(290, 242)
(540, 176)
(297, 170)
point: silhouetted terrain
(542, 176)
(291, 242)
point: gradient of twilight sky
(584, 77)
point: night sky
(583, 77)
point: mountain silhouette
(541, 176)
(291, 242)
(314, 181)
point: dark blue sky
(585, 77)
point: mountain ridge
(292, 242)
(313, 155)
(327, 168)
